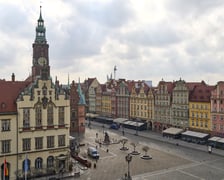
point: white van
(92, 152)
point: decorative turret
(40, 30)
(82, 100)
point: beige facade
(9, 135)
(180, 104)
(91, 94)
(43, 123)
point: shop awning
(195, 134)
(120, 120)
(173, 131)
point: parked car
(114, 126)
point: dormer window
(3, 105)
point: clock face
(42, 61)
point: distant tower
(40, 50)
(115, 69)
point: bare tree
(123, 142)
(145, 149)
(134, 145)
(134, 152)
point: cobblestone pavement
(112, 165)
(187, 161)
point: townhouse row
(187, 105)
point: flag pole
(4, 169)
(25, 167)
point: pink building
(217, 109)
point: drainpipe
(17, 145)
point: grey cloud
(14, 21)
(82, 40)
(193, 8)
(112, 14)
(157, 35)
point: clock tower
(40, 51)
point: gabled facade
(200, 108)
(180, 104)
(77, 105)
(122, 99)
(43, 123)
(163, 99)
(90, 86)
(106, 103)
(99, 98)
(217, 110)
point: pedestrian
(107, 150)
(96, 135)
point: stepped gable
(9, 93)
(131, 84)
(169, 85)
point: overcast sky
(145, 39)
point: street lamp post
(123, 129)
(136, 128)
(128, 158)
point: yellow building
(142, 102)
(106, 103)
(199, 108)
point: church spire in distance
(40, 30)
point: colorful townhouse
(180, 104)
(99, 98)
(78, 109)
(106, 102)
(122, 99)
(142, 102)
(217, 110)
(200, 108)
(163, 99)
(89, 87)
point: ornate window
(26, 144)
(6, 146)
(50, 141)
(50, 115)
(61, 115)
(61, 140)
(26, 118)
(28, 165)
(38, 116)
(38, 163)
(39, 142)
(5, 125)
(50, 162)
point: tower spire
(40, 29)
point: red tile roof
(9, 91)
(201, 93)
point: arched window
(50, 162)
(50, 115)
(38, 163)
(28, 165)
(38, 116)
